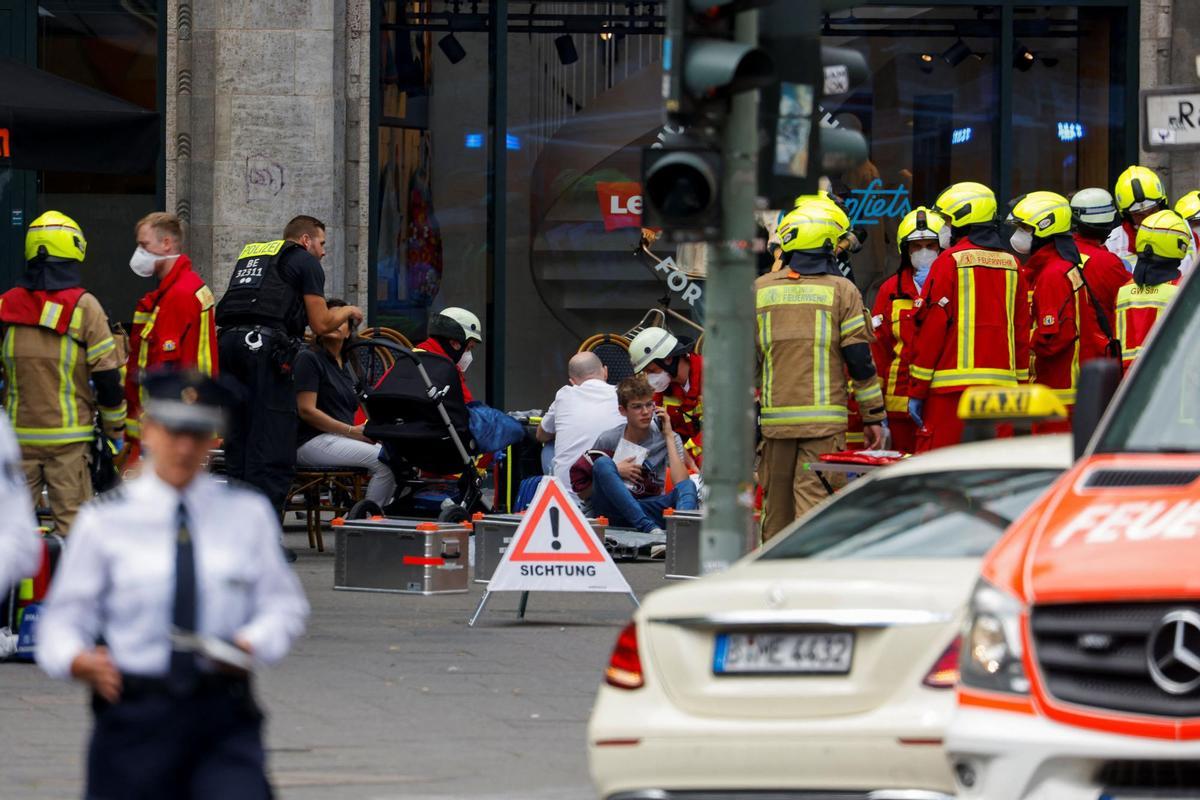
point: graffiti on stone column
(264, 178)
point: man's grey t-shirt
(656, 459)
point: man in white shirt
(581, 411)
(183, 580)
(19, 546)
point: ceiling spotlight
(957, 53)
(565, 45)
(927, 57)
(452, 48)
(1023, 58)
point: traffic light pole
(729, 340)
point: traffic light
(681, 190)
(703, 65)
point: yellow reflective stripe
(920, 373)
(982, 377)
(1130, 352)
(65, 380)
(821, 335)
(133, 428)
(897, 403)
(1010, 308)
(852, 325)
(1023, 375)
(869, 395)
(1067, 396)
(966, 318)
(101, 349)
(793, 295)
(142, 317)
(797, 415)
(114, 414)
(855, 437)
(893, 376)
(50, 315)
(75, 329)
(1140, 303)
(71, 435)
(203, 352)
(764, 338)
(10, 371)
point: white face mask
(922, 260)
(142, 262)
(465, 362)
(659, 381)
(1021, 241)
(944, 237)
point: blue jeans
(612, 499)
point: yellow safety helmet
(1139, 189)
(56, 235)
(920, 223)
(812, 227)
(1047, 213)
(826, 201)
(967, 204)
(1188, 206)
(1165, 234)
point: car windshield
(1160, 411)
(958, 514)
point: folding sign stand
(554, 549)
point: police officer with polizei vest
(277, 288)
(173, 589)
(812, 330)
(62, 365)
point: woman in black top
(327, 404)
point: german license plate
(783, 653)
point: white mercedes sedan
(821, 666)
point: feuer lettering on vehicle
(1134, 521)
(559, 570)
(872, 205)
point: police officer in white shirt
(19, 546)
(182, 579)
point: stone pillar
(1170, 37)
(259, 95)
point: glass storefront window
(1068, 97)
(111, 46)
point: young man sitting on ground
(642, 507)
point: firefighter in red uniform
(1094, 215)
(676, 375)
(1188, 207)
(453, 334)
(173, 324)
(973, 325)
(1163, 241)
(1065, 331)
(893, 317)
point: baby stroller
(416, 410)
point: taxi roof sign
(1025, 403)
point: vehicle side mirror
(1098, 381)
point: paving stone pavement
(387, 696)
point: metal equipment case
(406, 556)
(683, 543)
(494, 532)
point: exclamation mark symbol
(556, 544)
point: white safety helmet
(457, 324)
(1094, 207)
(653, 344)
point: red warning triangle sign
(554, 530)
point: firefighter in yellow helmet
(1163, 241)
(973, 323)
(893, 317)
(812, 330)
(1138, 193)
(1188, 208)
(57, 345)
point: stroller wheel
(364, 509)
(454, 514)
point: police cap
(186, 401)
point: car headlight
(991, 642)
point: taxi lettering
(999, 404)
(1135, 521)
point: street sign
(554, 549)
(1171, 118)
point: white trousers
(333, 450)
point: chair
(613, 351)
(332, 489)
